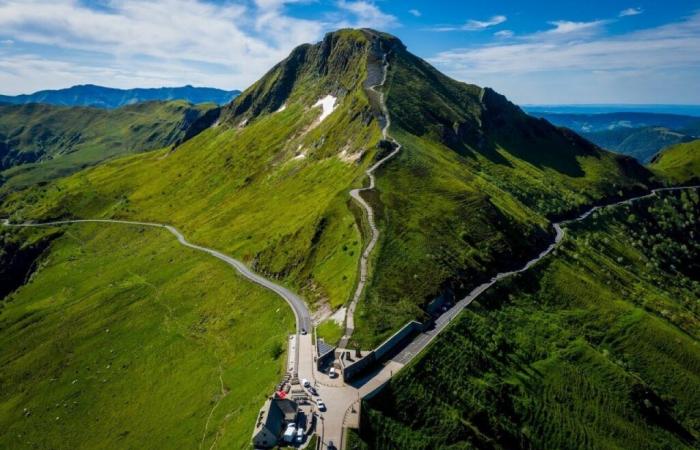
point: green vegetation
(471, 192)
(330, 331)
(596, 347)
(641, 143)
(123, 337)
(40, 142)
(271, 189)
(313, 442)
(679, 164)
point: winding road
(422, 340)
(301, 312)
(369, 213)
(344, 400)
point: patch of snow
(282, 108)
(328, 104)
(300, 156)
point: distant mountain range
(683, 110)
(638, 134)
(105, 97)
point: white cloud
(415, 12)
(504, 34)
(473, 25)
(581, 51)
(367, 15)
(480, 25)
(127, 43)
(631, 12)
(568, 28)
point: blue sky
(533, 52)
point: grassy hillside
(122, 338)
(41, 142)
(640, 143)
(597, 347)
(679, 163)
(470, 193)
(269, 186)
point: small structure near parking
(272, 421)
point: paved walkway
(369, 212)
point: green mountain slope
(122, 338)
(41, 142)
(470, 193)
(679, 163)
(266, 185)
(597, 347)
(640, 143)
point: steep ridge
(470, 194)
(268, 182)
(377, 67)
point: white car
(332, 373)
(289, 433)
(300, 435)
(320, 404)
(305, 382)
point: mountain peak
(336, 65)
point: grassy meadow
(679, 163)
(122, 338)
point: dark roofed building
(273, 417)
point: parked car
(320, 404)
(332, 373)
(312, 391)
(303, 331)
(300, 435)
(331, 445)
(305, 382)
(289, 433)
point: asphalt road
(301, 312)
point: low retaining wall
(383, 352)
